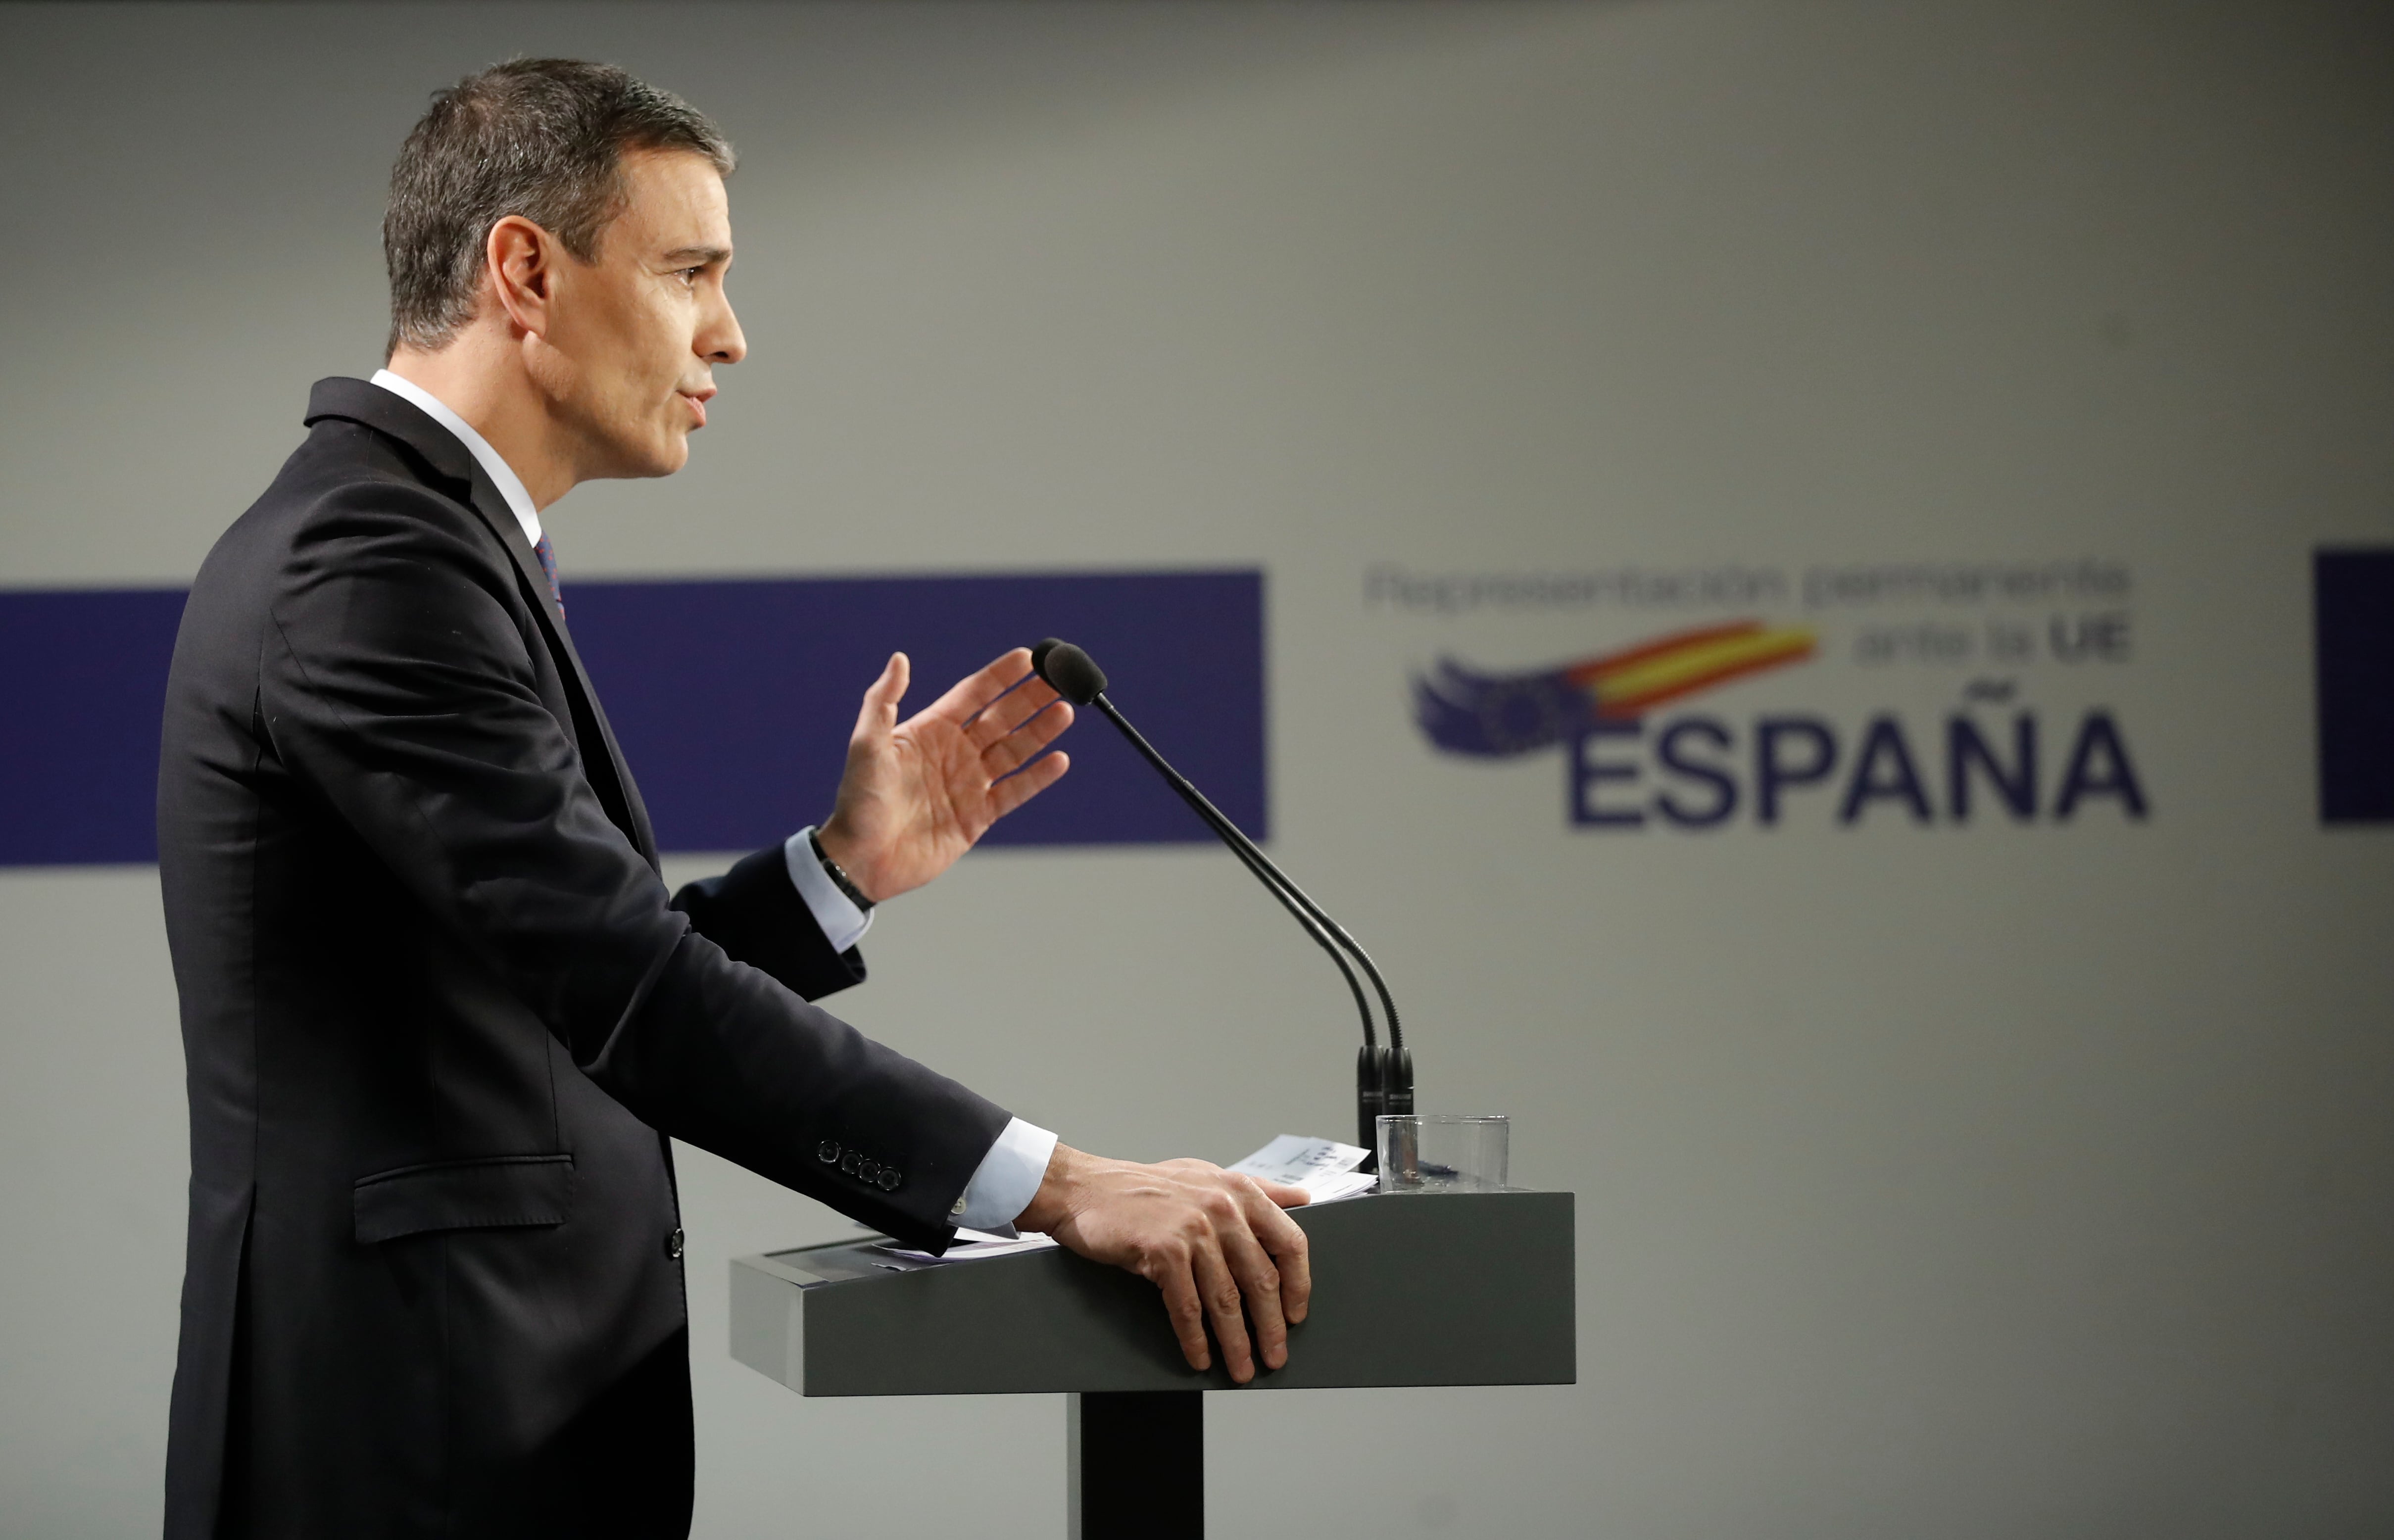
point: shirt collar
(502, 475)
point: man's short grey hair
(540, 137)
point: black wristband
(839, 880)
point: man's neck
(483, 381)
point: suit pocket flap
(490, 1192)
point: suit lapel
(491, 505)
(360, 402)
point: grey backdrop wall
(1998, 1177)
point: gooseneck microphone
(1384, 1074)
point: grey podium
(1458, 1288)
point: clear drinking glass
(1444, 1152)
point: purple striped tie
(548, 566)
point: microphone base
(1384, 1086)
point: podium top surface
(1439, 1289)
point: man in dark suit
(440, 1013)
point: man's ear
(519, 259)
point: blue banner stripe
(81, 697)
(2352, 595)
(734, 700)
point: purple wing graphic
(1498, 716)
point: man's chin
(649, 461)
(675, 456)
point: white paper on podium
(973, 1246)
(1322, 1166)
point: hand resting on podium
(1210, 1240)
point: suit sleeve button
(889, 1178)
(828, 1151)
(673, 1245)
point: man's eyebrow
(699, 254)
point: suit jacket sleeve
(396, 678)
(753, 913)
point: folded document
(1322, 1166)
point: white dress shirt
(1008, 1176)
(502, 475)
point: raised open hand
(918, 794)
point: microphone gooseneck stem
(1320, 937)
(1383, 1075)
(1262, 865)
(1255, 863)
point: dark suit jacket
(439, 1016)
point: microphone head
(1070, 671)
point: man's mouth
(697, 400)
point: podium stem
(1135, 1465)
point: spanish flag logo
(1498, 716)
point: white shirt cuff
(843, 923)
(1009, 1179)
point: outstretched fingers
(971, 694)
(1027, 782)
(1011, 751)
(1021, 702)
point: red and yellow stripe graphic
(1631, 684)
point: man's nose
(719, 339)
